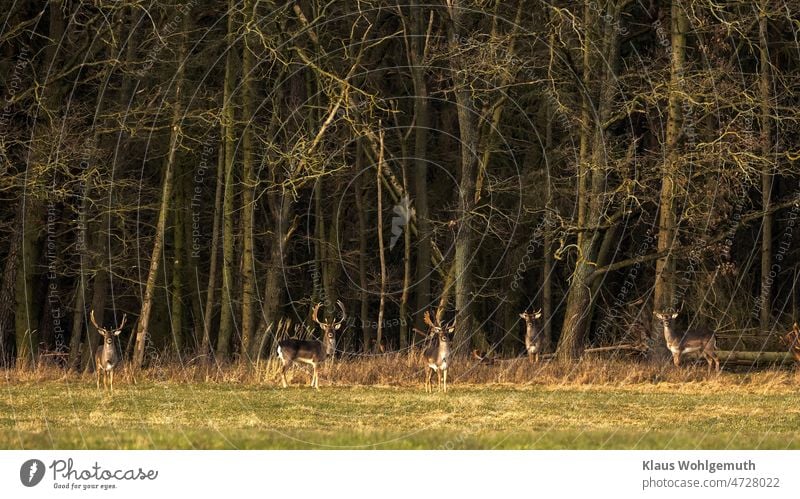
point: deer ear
(538, 315)
(117, 332)
(674, 315)
(451, 330)
(337, 326)
(522, 315)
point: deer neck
(530, 334)
(669, 334)
(444, 351)
(108, 352)
(328, 347)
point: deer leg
(438, 380)
(676, 359)
(97, 372)
(111, 379)
(428, 374)
(283, 373)
(315, 377)
(445, 380)
(712, 357)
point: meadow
(380, 404)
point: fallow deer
(689, 341)
(106, 357)
(311, 351)
(375, 347)
(437, 355)
(483, 358)
(792, 342)
(534, 335)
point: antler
(792, 337)
(452, 323)
(344, 312)
(94, 323)
(124, 318)
(314, 313)
(428, 320)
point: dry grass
(403, 370)
(378, 402)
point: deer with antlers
(106, 357)
(534, 335)
(311, 351)
(703, 341)
(437, 355)
(483, 358)
(792, 342)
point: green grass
(71, 413)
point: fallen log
(755, 357)
(636, 347)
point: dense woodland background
(212, 169)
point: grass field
(686, 410)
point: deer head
(792, 338)
(108, 334)
(667, 316)
(329, 328)
(531, 316)
(444, 333)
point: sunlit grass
(734, 411)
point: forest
(213, 169)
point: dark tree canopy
(214, 169)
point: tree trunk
(274, 290)
(76, 331)
(366, 330)
(155, 258)
(421, 138)
(664, 291)
(27, 313)
(228, 124)
(176, 291)
(281, 209)
(587, 100)
(579, 307)
(406, 207)
(547, 269)
(765, 316)
(166, 193)
(208, 314)
(248, 183)
(192, 257)
(7, 298)
(379, 167)
(27, 316)
(464, 251)
(99, 291)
